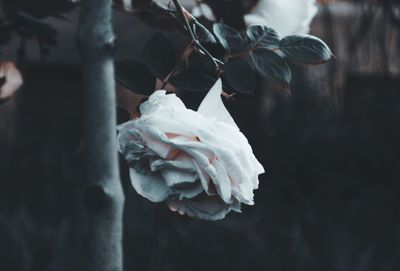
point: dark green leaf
(159, 55)
(231, 11)
(202, 33)
(134, 76)
(270, 65)
(239, 74)
(305, 49)
(192, 81)
(200, 63)
(229, 37)
(261, 36)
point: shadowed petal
(210, 208)
(150, 186)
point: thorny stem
(185, 15)
(186, 53)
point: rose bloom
(197, 161)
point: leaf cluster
(241, 58)
(264, 52)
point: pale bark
(104, 196)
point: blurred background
(329, 199)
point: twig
(185, 15)
(186, 53)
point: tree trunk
(103, 196)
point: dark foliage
(261, 52)
(232, 11)
(305, 49)
(202, 33)
(134, 75)
(159, 55)
(239, 74)
(230, 39)
(271, 66)
(193, 81)
(261, 36)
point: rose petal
(212, 106)
(186, 190)
(210, 208)
(204, 157)
(13, 79)
(151, 186)
(182, 163)
(175, 177)
(159, 100)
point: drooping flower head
(197, 161)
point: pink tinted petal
(154, 140)
(173, 208)
(13, 79)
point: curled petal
(211, 208)
(159, 100)
(213, 107)
(150, 186)
(11, 79)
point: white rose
(287, 17)
(198, 162)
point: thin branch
(186, 53)
(184, 15)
